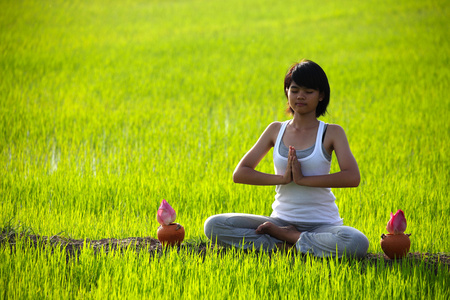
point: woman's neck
(302, 122)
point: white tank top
(304, 204)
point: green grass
(107, 107)
(189, 275)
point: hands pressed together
(293, 169)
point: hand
(287, 177)
(296, 167)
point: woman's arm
(245, 171)
(348, 176)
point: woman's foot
(288, 234)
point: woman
(304, 211)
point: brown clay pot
(395, 245)
(171, 235)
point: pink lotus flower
(166, 214)
(397, 223)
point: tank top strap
(319, 136)
(280, 134)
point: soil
(73, 247)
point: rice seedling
(108, 107)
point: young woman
(304, 211)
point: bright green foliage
(31, 273)
(107, 107)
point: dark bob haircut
(309, 75)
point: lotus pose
(304, 211)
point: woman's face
(303, 100)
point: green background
(108, 107)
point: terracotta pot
(395, 245)
(171, 235)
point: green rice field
(108, 107)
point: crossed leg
(288, 234)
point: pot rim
(393, 234)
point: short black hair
(310, 75)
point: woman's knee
(211, 224)
(359, 244)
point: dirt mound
(73, 246)
(152, 245)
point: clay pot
(395, 245)
(171, 235)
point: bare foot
(288, 234)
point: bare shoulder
(271, 132)
(335, 130)
(274, 126)
(334, 138)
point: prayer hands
(295, 166)
(288, 174)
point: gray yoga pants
(321, 240)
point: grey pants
(321, 240)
